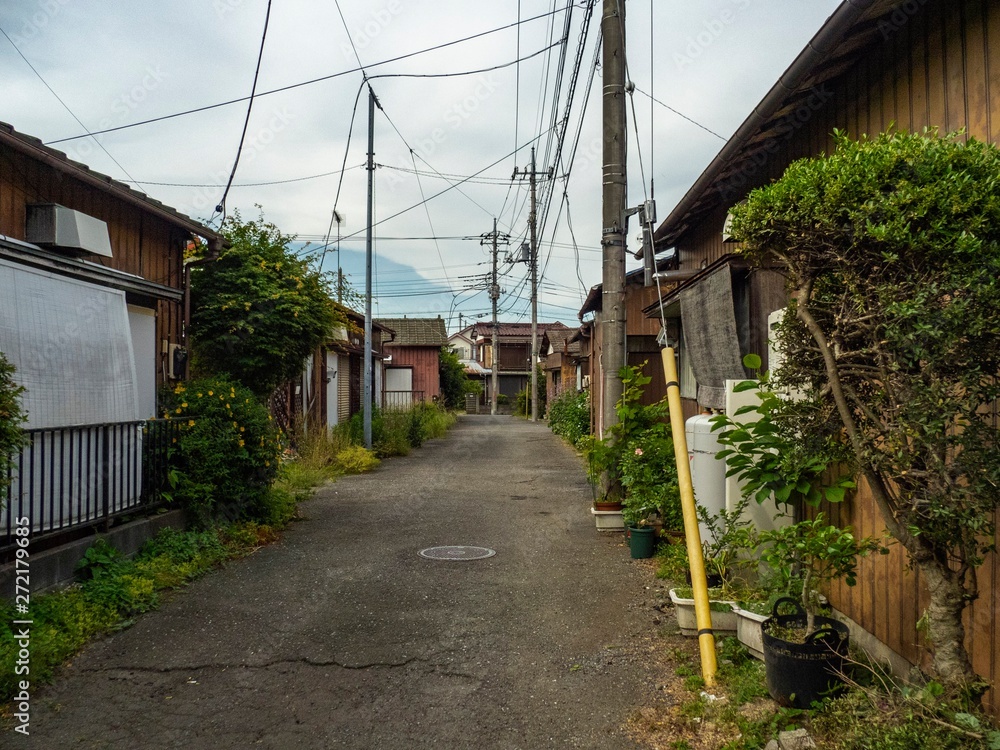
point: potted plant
(728, 553)
(639, 426)
(804, 651)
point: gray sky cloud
(116, 64)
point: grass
(115, 590)
(874, 713)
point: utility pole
(494, 296)
(367, 389)
(340, 274)
(613, 207)
(533, 262)
(494, 289)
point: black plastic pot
(799, 674)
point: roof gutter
(829, 35)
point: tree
(259, 310)
(454, 382)
(891, 250)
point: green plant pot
(641, 541)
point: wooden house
(413, 360)
(332, 387)
(560, 351)
(93, 294)
(512, 354)
(873, 66)
(641, 347)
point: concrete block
(57, 567)
(797, 740)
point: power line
(304, 83)
(71, 112)
(242, 184)
(221, 208)
(680, 114)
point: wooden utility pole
(367, 389)
(533, 264)
(494, 296)
(613, 208)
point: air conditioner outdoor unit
(176, 361)
(61, 228)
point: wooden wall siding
(142, 244)
(425, 361)
(515, 357)
(637, 298)
(941, 69)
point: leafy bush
(356, 460)
(12, 417)
(227, 451)
(260, 309)
(890, 248)
(395, 432)
(569, 415)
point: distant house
(94, 300)
(413, 360)
(513, 354)
(875, 65)
(463, 343)
(561, 359)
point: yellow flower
(242, 444)
(209, 393)
(243, 429)
(184, 405)
(190, 423)
(199, 395)
(177, 410)
(235, 425)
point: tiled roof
(34, 148)
(559, 336)
(511, 330)
(415, 331)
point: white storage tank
(708, 473)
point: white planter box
(748, 630)
(723, 620)
(608, 520)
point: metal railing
(401, 400)
(70, 477)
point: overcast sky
(115, 64)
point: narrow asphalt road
(342, 636)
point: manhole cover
(457, 553)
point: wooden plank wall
(939, 69)
(426, 367)
(142, 244)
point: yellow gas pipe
(703, 614)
